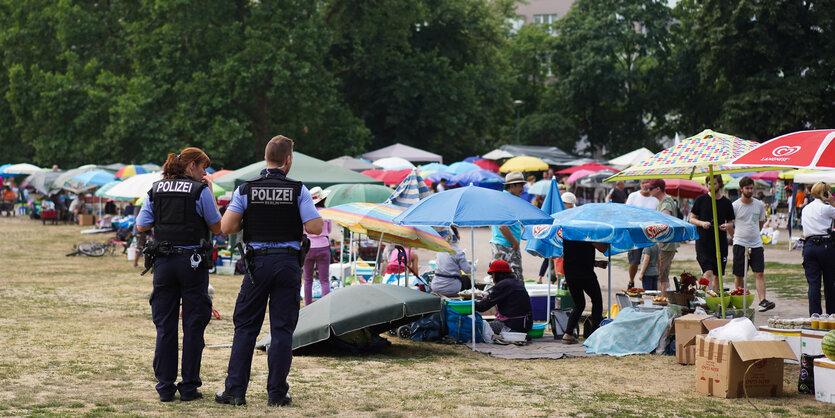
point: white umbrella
(631, 158)
(135, 186)
(827, 176)
(22, 169)
(393, 163)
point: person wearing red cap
(508, 295)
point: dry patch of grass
(78, 340)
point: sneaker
(166, 398)
(225, 398)
(766, 304)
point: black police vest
(175, 211)
(272, 209)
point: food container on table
(737, 300)
(537, 330)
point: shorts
(513, 258)
(665, 260)
(634, 256)
(756, 260)
(649, 282)
(707, 259)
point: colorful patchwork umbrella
(704, 154)
(130, 171)
(523, 163)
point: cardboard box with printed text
(730, 369)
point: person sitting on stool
(509, 296)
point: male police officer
(271, 209)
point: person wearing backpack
(667, 250)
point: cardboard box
(687, 328)
(825, 380)
(791, 336)
(86, 219)
(810, 341)
(721, 367)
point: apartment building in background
(540, 11)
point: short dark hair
(278, 149)
(745, 182)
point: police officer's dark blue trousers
(175, 280)
(819, 263)
(277, 281)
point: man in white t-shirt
(641, 198)
(750, 217)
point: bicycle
(96, 249)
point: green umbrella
(350, 193)
(378, 307)
(734, 184)
(312, 171)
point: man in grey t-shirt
(750, 217)
(667, 250)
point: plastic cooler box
(560, 299)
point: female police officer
(182, 211)
(819, 248)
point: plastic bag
(740, 329)
(487, 330)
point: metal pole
(548, 295)
(609, 290)
(342, 254)
(377, 258)
(716, 241)
(472, 282)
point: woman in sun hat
(319, 254)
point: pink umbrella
(488, 165)
(577, 175)
(594, 167)
(766, 175)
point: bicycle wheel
(92, 249)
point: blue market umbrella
(476, 177)
(623, 227)
(552, 204)
(472, 206)
(540, 188)
(95, 177)
(462, 167)
(438, 175)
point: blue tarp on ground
(631, 332)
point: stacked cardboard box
(730, 369)
(687, 328)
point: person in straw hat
(320, 251)
(506, 239)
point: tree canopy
(132, 80)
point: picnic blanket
(631, 332)
(546, 347)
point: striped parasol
(409, 191)
(375, 220)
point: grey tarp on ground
(545, 347)
(551, 155)
(379, 307)
(403, 151)
(351, 163)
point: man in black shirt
(617, 195)
(579, 275)
(701, 215)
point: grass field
(78, 340)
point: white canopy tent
(631, 158)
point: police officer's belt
(271, 251)
(819, 239)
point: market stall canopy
(815, 176)
(497, 154)
(352, 163)
(405, 152)
(551, 155)
(631, 158)
(378, 307)
(312, 171)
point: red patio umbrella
(587, 166)
(488, 165)
(688, 189)
(217, 174)
(389, 176)
(802, 149)
(766, 175)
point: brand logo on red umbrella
(537, 229)
(657, 231)
(785, 150)
(559, 233)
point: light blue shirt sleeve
(205, 208)
(238, 202)
(307, 210)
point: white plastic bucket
(131, 253)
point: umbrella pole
(472, 282)
(548, 295)
(351, 255)
(716, 242)
(609, 290)
(341, 254)
(377, 259)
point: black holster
(303, 249)
(152, 249)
